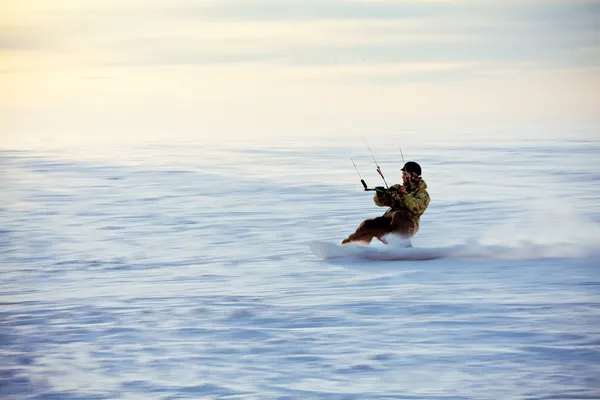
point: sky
(222, 70)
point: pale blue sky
(252, 68)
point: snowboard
(330, 250)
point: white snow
(183, 271)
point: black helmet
(412, 167)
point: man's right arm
(383, 196)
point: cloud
(525, 11)
(397, 59)
(323, 9)
(301, 33)
(15, 38)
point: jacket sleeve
(385, 199)
(415, 202)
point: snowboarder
(407, 203)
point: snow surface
(183, 271)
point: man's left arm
(415, 202)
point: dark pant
(398, 223)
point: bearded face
(408, 177)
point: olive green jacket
(407, 203)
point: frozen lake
(183, 271)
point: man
(407, 203)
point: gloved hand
(380, 189)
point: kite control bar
(366, 188)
